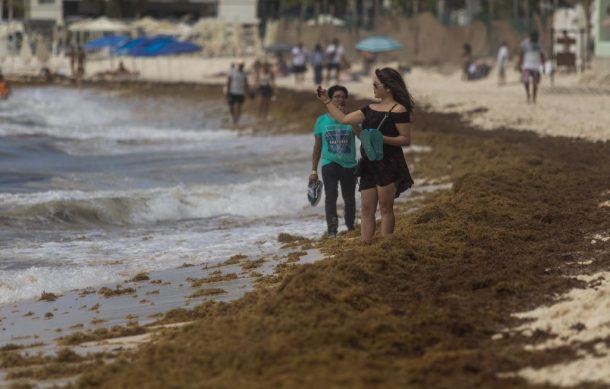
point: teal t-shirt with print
(338, 143)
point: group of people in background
(331, 58)
(241, 85)
(531, 64)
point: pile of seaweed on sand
(418, 308)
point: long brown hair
(392, 80)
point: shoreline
(565, 107)
(433, 128)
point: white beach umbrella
(101, 24)
(9, 28)
(326, 19)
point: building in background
(601, 19)
(59, 11)
(238, 11)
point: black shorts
(298, 69)
(391, 169)
(332, 66)
(236, 99)
(265, 91)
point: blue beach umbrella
(129, 45)
(378, 44)
(159, 45)
(112, 42)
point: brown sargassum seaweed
(418, 308)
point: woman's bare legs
(264, 108)
(386, 196)
(368, 202)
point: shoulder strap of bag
(386, 116)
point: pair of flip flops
(372, 142)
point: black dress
(393, 167)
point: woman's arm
(355, 117)
(403, 138)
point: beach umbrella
(278, 48)
(326, 19)
(378, 44)
(101, 24)
(159, 45)
(111, 42)
(130, 45)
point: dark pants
(332, 175)
(317, 77)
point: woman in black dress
(381, 181)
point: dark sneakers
(333, 226)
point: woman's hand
(321, 95)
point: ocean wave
(120, 133)
(32, 282)
(258, 198)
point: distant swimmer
(5, 88)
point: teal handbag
(372, 140)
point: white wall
(240, 11)
(45, 10)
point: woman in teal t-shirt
(336, 147)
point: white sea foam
(86, 115)
(258, 198)
(97, 258)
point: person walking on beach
(334, 55)
(237, 88)
(335, 144)
(466, 61)
(81, 57)
(72, 55)
(381, 181)
(299, 62)
(265, 84)
(317, 62)
(531, 59)
(501, 63)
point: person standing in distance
(501, 63)
(334, 53)
(531, 60)
(237, 88)
(336, 146)
(299, 62)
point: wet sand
(424, 307)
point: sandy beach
(509, 214)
